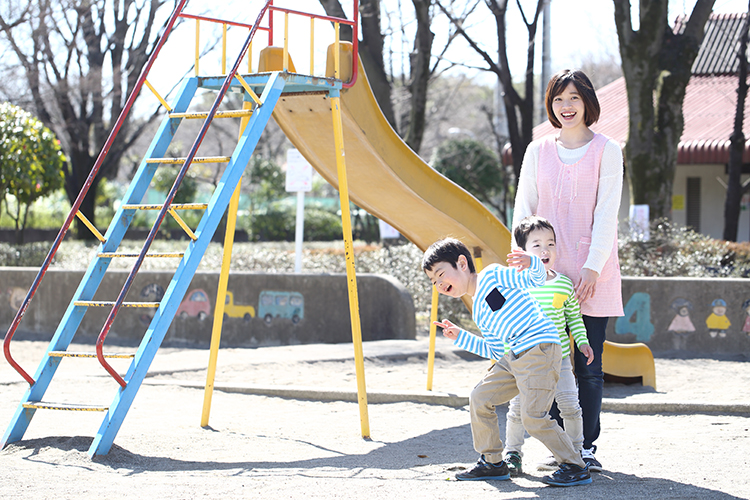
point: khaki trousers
(533, 374)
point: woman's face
(569, 108)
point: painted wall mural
(717, 322)
(637, 319)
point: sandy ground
(272, 447)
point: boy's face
(541, 242)
(449, 280)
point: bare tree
(735, 189)
(516, 106)
(656, 63)
(81, 60)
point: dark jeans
(590, 380)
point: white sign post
(298, 180)
(639, 215)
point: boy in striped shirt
(536, 236)
(508, 317)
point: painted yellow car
(232, 310)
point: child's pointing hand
(449, 329)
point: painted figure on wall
(681, 322)
(746, 310)
(681, 325)
(717, 322)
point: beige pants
(533, 374)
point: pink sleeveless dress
(567, 198)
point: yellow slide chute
(385, 176)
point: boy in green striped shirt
(536, 236)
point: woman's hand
(449, 329)
(587, 351)
(586, 287)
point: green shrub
(273, 224)
(322, 225)
(677, 251)
(277, 223)
(26, 255)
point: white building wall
(712, 196)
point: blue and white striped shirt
(506, 313)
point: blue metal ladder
(273, 85)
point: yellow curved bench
(629, 360)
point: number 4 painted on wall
(639, 306)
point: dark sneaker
(568, 475)
(513, 460)
(485, 470)
(588, 456)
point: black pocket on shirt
(495, 299)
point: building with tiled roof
(703, 152)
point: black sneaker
(588, 456)
(568, 475)
(513, 460)
(486, 470)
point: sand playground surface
(284, 424)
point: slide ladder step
(202, 159)
(68, 354)
(41, 405)
(102, 303)
(239, 113)
(176, 206)
(156, 255)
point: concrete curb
(445, 399)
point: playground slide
(385, 177)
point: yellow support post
(346, 222)
(433, 334)
(337, 51)
(197, 44)
(286, 41)
(312, 45)
(91, 227)
(221, 291)
(161, 99)
(224, 50)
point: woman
(574, 179)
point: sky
(580, 30)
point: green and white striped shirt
(558, 300)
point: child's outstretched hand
(587, 351)
(449, 329)
(519, 259)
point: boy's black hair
(446, 250)
(529, 224)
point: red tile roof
(708, 109)
(718, 52)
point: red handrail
(221, 21)
(355, 33)
(84, 190)
(170, 197)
